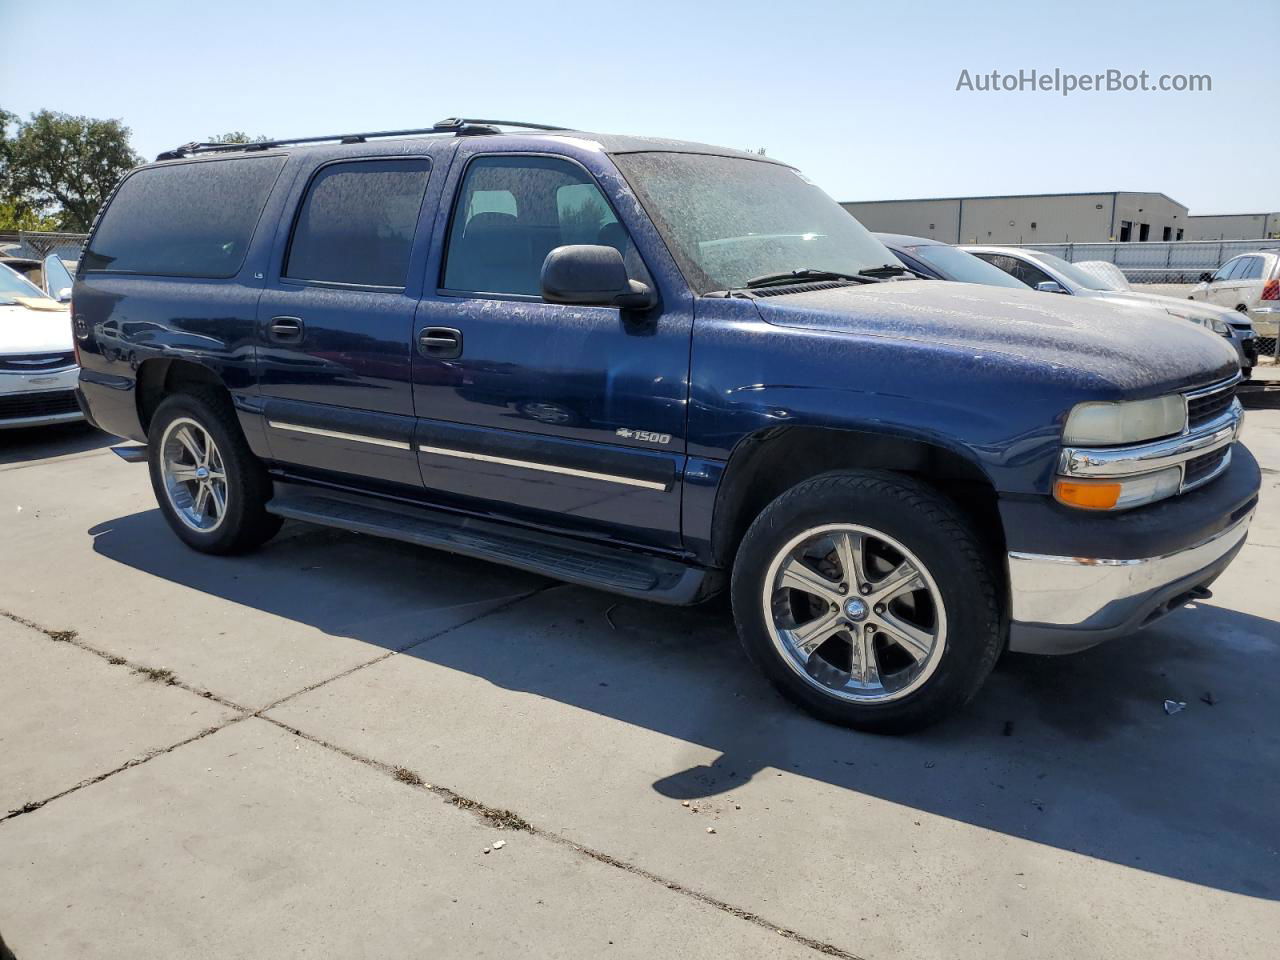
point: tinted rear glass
(357, 223)
(184, 220)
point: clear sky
(861, 96)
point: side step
(616, 571)
(131, 454)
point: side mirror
(592, 275)
(1050, 286)
(64, 295)
(1206, 277)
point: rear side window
(184, 220)
(1252, 269)
(357, 222)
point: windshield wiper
(888, 270)
(805, 274)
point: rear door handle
(286, 329)
(440, 343)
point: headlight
(1219, 327)
(1118, 494)
(1115, 424)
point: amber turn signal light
(1090, 496)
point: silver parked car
(1052, 274)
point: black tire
(246, 524)
(939, 535)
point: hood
(1130, 348)
(27, 330)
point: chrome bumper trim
(1060, 604)
(1148, 457)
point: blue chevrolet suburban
(661, 369)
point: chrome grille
(36, 362)
(1204, 406)
(1200, 469)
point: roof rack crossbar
(459, 126)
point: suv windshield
(1069, 270)
(13, 286)
(728, 219)
(965, 267)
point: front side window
(728, 220)
(185, 219)
(1225, 271)
(357, 222)
(512, 211)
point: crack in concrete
(498, 818)
(507, 820)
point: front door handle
(286, 329)
(440, 343)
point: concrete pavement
(308, 750)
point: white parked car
(1052, 274)
(1249, 284)
(38, 370)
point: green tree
(60, 168)
(237, 136)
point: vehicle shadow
(40, 443)
(1075, 752)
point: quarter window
(357, 222)
(184, 219)
(512, 211)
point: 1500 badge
(646, 435)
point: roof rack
(458, 126)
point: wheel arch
(765, 464)
(159, 377)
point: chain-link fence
(1174, 262)
(37, 246)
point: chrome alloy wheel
(854, 613)
(194, 476)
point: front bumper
(38, 399)
(1065, 604)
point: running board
(615, 571)
(131, 454)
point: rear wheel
(210, 487)
(866, 599)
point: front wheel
(210, 487)
(867, 599)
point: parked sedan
(1248, 284)
(1051, 274)
(37, 363)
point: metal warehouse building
(1057, 218)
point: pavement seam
(155, 674)
(168, 678)
(32, 805)
(504, 819)
(505, 605)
